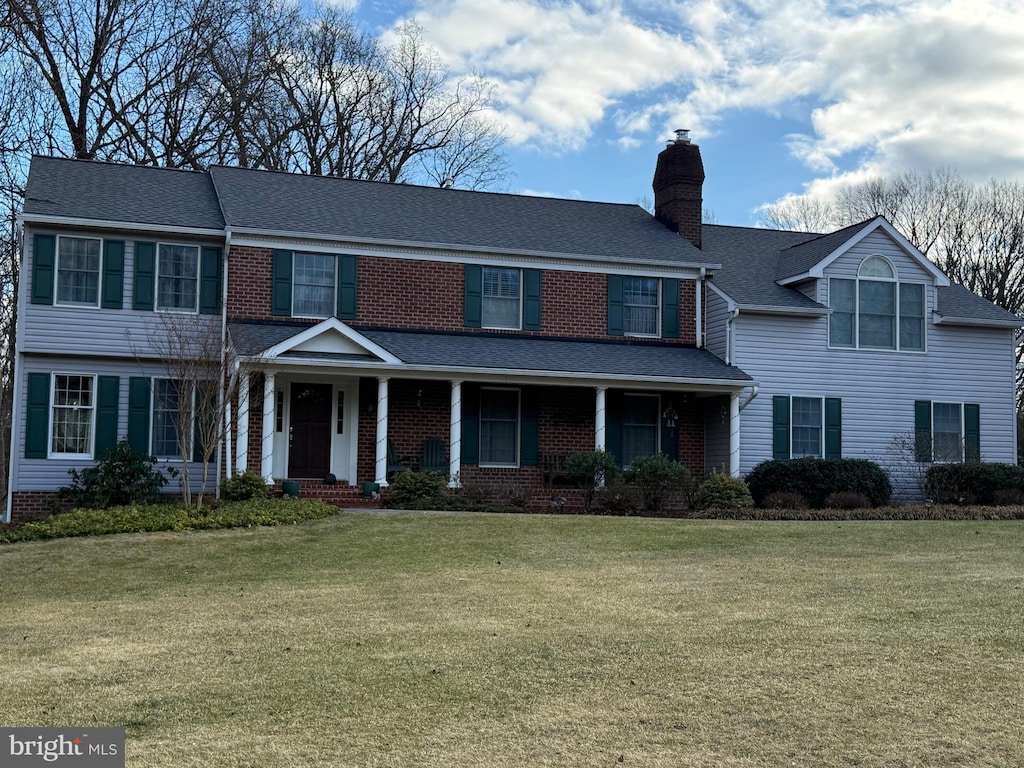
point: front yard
(492, 640)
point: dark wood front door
(309, 452)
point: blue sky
(784, 97)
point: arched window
(876, 311)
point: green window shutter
(833, 428)
(281, 287)
(613, 424)
(470, 424)
(144, 279)
(107, 406)
(780, 427)
(922, 430)
(210, 288)
(972, 432)
(44, 257)
(138, 413)
(37, 418)
(615, 323)
(670, 308)
(474, 288)
(348, 271)
(113, 274)
(529, 428)
(531, 299)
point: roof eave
(79, 222)
(977, 321)
(770, 309)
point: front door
(309, 441)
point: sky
(784, 97)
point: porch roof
(510, 354)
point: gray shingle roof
(955, 301)
(798, 259)
(749, 259)
(458, 351)
(290, 203)
(84, 189)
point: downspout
(224, 448)
(700, 308)
(750, 397)
(18, 231)
(729, 333)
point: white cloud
(882, 85)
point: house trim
(122, 226)
(974, 321)
(818, 270)
(327, 325)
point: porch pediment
(328, 338)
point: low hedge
(168, 517)
(816, 479)
(973, 482)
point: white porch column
(267, 446)
(381, 455)
(455, 438)
(600, 414)
(734, 435)
(242, 446)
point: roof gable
(328, 337)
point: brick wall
(34, 505)
(428, 295)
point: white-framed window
(641, 431)
(177, 278)
(501, 298)
(78, 271)
(499, 427)
(73, 415)
(314, 277)
(807, 426)
(947, 432)
(168, 400)
(640, 306)
(876, 310)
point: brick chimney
(678, 180)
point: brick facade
(428, 295)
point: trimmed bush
(815, 479)
(169, 517)
(972, 483)
(419, 490)
(784, 500)
(590, 471)
(720, 491)
(123, 476)
(657, 478)
(846, 500)
(247, 485)
(618, 498)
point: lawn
(476, 640)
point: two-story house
(480, 334)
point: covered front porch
(336, 405)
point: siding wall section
(716, 313)
(50, 474)
(91, 330)
(790, 356)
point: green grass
(475, 640)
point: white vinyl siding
(501, 298)
(78, 271)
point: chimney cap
(682, 136)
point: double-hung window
(807, 427)
(313, 285)
(499, 427)
(639, 427)
(640, 306)
(178, 278)
(947, 432)
(501, 298)
(78, 271)
(876, 310)
(169, 420)
(73, 415)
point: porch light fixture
(669, 416)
